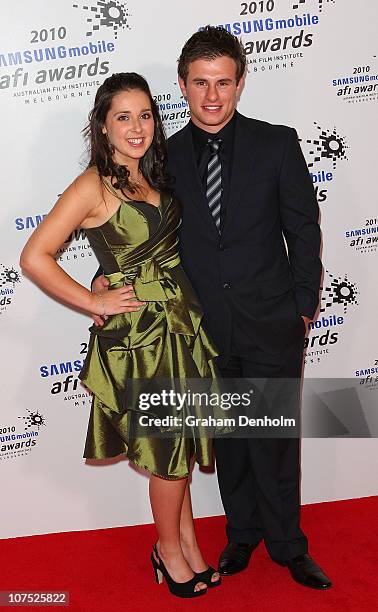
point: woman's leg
(188, 538)
(166, 498)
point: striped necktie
(214, 181)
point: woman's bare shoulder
(88, 185)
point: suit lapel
(245, 149)
(188, 172)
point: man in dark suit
(245, 190)
(250, 244)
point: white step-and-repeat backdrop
(312, 65)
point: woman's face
(129, 125)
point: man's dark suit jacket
(250, 285)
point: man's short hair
(208, 44)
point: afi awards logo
(276, 37)
(61, 379)
(367, 375)
(53, 63)
(17, 440)
(363, 238)
(174, 109)
(339, 294)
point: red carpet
(109, 570)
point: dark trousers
(259, 478)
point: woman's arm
(76, 205)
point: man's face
(212, 92)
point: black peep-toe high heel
(206, 577)
(180, 589)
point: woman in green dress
(124, 202)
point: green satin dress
(164, 339)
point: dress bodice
(134, 223)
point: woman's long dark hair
(152, 164)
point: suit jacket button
(226, 286)
(221, 246)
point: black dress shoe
(305, 571)
(234, 558)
